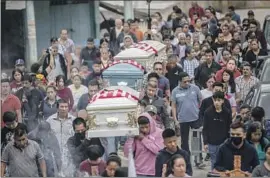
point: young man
(151, 98)
(78, 144)
(96, 74)
(171, 148)
(145, 146)
(22, 157)
(163, 82)
(61, 124)
(9, 102)
(7, 133)
(216, 126)
(236, 145)
(173, 71)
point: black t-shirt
(7, 134)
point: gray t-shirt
(261, 171)
(22, 162)
(187, 102)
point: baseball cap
(250, 12)
(19, 62)
(151, 108)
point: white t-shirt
(206, 93)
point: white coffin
(159, 47)
(145, 58)
(111, 117)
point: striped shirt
(244, 86)
(190, 66)
(22, 162)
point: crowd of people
(207, 74)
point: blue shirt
(187, 102)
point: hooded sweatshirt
(226, 153)
(146, 150)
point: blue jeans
(213, 149)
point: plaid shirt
(190, 66)
(244, 86)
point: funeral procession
(93, 88)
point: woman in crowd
(251, 55)
(73, 71)
(176, 166)
(237, 54)
(112, 164)
(227, 78)
(226, 55)
(255, 136)
(64, 92)
(77, 90)
(49, 105)
(263, 170)
(208, 91)
(16, 83)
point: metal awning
(120, 10)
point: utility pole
(31, 56)
(128, 10)
(97, 25)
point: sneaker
(200, 165)
(207, 157)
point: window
(264, 101)
(64, 2)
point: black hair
(121, 172)
(209, 51)
(59, 102)
(16, 70)
(246, 64)
(167, 133)
(35, 67)
(80, 77)
(266, 147)
(9, 116)
(157, 63)
(93, 82)
(93, 152)
(51, 86)
(152, 75)
(182, 75)
(245, 106)
(59, 77)
(171, 162)
(142, 120)
(253, 127)
(20, 131)
(218, 84)
(257, 113)
(103, 40)
(97, 62)
(90, 39)
(113, 157)
(4, 80)
(231, 8)
(231, 80)
(78, 121)
(28, 78)
(218, 95)
(238, 124)
(54, 39)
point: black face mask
(236, 140)
(80, 136)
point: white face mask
(154, 31)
